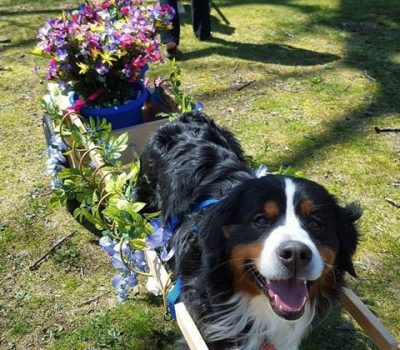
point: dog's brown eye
(314, 223)
(261, 220)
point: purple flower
(62, 54)
(102, 68)
(56, 183)
(127, 71)
(156, 239)
(198, 106)
(54, 164)
(262, 170)
(123, 283)
(160, 238)
(57, 142)
(138, 260)
(165, 255)
(118, 263)
(52, 69)
(107, 244)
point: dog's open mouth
(287, 297)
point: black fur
(190, 160)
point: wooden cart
(351, 302)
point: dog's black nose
(294, 255)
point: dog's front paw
(152, 287)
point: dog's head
(282, 237)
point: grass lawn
(301, 83)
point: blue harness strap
(174, 294)
(206, 203)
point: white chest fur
(267, 326)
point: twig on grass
(379, 130)
(392, 202)
(241, 87)
(368, 76)
(37, 263)
(97, 297)
(82, 273)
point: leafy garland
(111, 206)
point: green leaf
(134, 173)
(138, 243)
(150, 216)
(67, 173)
(138, 206)
(39, 52)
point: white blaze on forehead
(290, 230)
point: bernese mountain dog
(263, 263)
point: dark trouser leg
(201, 18)
(172, 35)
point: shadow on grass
(29, 12)
(373, 32)
(266, 53)
(336, 332)
(19, 44)
(373, 39)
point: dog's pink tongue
(289, 295)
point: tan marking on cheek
(242, 279)
(271, 208)
(326, 280)
(306, 207)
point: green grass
(323, 74)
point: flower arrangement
(101, 48)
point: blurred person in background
(201, 23)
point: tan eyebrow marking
(306, 207)
(271, 208)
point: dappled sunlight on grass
(300, 83)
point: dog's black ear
(348, 236)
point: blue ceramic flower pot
(121, 116)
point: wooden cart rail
(351, 302)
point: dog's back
(188, 160)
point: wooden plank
(368, 321)
(157, 269)
(188, 328)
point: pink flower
(139, 62)
(158, 81)
(157, 57)
(105, 5)
(125, 10)
(126, 40)
(77, 105)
